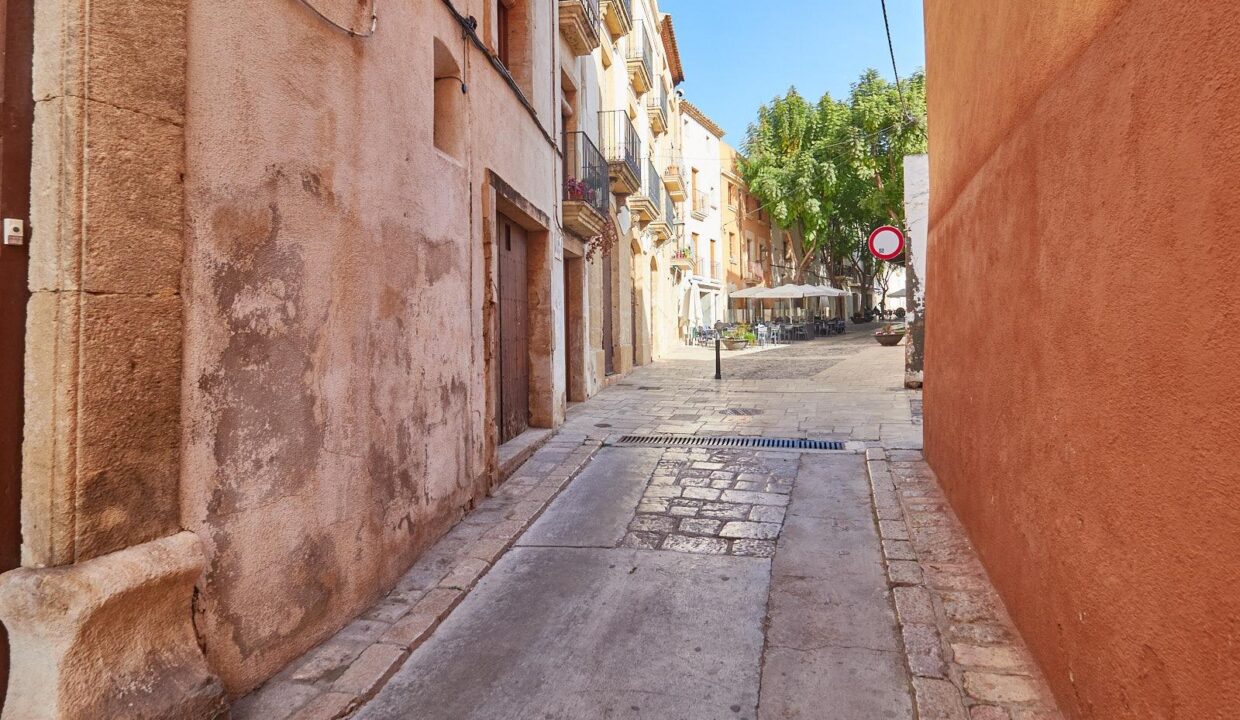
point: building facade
(702, 293)
(747, 234)
(297, 300)
(1081, 167)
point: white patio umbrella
(823, 291)
(752, 293)
(783, 292)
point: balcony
(586, 197)
(579, 25)
(701, 205)
(674, 179)
(641, 60)
(683, 259)
(647, 203)
(618, 17)
(665, 226)
(622, 149)
(656, 105)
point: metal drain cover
(730, 441)
(743, 412)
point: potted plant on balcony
(889, 335)
(578, 190)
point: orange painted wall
(1082, 406)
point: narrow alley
(359, 360)
(614, 578)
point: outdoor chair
(764, 334)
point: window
(733, 248)
(449, 133)
(501, 33)
(512, 41)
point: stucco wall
(1082, 408)
(335, 381)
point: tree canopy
(832, 171)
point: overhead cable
(374, 20)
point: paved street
(611, 580)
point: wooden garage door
(514, 321)
(16, 116)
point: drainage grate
(743, 412)
(730, 441)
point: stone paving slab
(595, 510)
(570, 634)
(833, 643)
(965, 656)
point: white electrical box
(14, 232)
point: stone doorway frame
(106, 587)
(500, 197)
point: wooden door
(609, 303)
(514, 318)
(16, 117)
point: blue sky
(739, 54)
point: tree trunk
(799, 255)
(768, 261)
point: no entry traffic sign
(886, 243)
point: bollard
(718, 354)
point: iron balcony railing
(652, 187)
(585, 173)
(592, 12)
(701, 201)
(658, 101)
(621, 143)
(669, 208)
(641, 49)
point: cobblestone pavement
(714, 503)
(609, 581)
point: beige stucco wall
(335, 285)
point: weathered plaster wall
(1084, 173)
(335, 389)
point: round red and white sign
(886, 243)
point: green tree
(834, 171)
